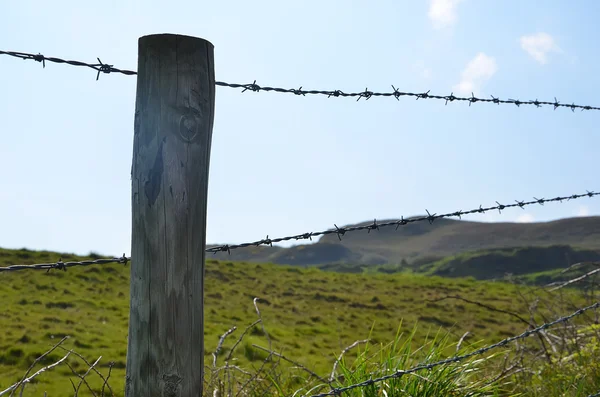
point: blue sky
(283, 164)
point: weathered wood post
(171, 151)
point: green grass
(443, 380)
(310, 316)
(576, 374)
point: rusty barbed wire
(60, 265)
(101, 67)
(455, 359)
(341, 231)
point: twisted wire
(341, 231)
(102, 67)
(455, 359)
(60, 265)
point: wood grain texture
(171, 155)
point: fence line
(455, 359)
(102, 67)
(339, 231)
(60, 265)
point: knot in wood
(188, 127)
(171, 385)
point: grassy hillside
(310, 315)
(530, 265)
(420, 241)
(518, 261)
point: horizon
(316, 239)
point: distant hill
(500, 262)
(420, 243)
(529, 265)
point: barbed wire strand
(455, 359)
(341, 231)
(101, 67)
(60, 265)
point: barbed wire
(101, 67)
(396, 93)
(455, 359)
(60, 265)
(341, 231)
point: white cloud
(583, 210)
(539, 45)
(525, 218)
(479, 69)
(443, 12)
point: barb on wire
(341, 231)
(454, 359)
(101, 67)
(60, 265)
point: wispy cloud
(479, 70)
(538, 46)
(525, 218)
(583, 210)
(443, 12)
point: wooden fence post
(174, 113)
